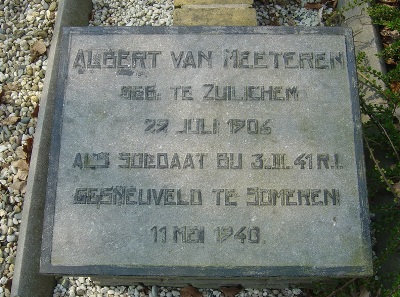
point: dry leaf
(15, 179)
(388, 2)
(274, 22)
(397, 126)
(20, 152)
(231, 291)
(146, 289)
(22, 174)
(8, 285)
(6, 91)
(21, 164)
(28, 148)
(190, 292)
(37, 49)
(35, 112)
(394, 34)
(364, 292)
(10, 120)
(395, 87)
(19, 186)
(291, 22)
(312, 5)
(11, 87)
(329, 3)
(396, 188)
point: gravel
(69, 286)
(159, 12)
(132, 13)
(26, 28)
(292, 13)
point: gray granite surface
(212, 152)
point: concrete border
(27, 281)
(366, 39)
(214, 13)
(366, 35)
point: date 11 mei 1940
(196, 234)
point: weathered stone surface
(216, 16)
(179, 3)
(207, 152)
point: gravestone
(207, 155)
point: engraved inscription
(187, 59)
(198, 126)
(203, 160)
(125, 60)
(117, 59)
(140, 93)
(243, 234)
(252, 126)
(214, 92)
(218, 143)
(93, 161)
(250, 93)
(184, 234)
(268, 197)
(234, 58)
(129, 195)
(162, 160)
(156, 126)
(251, 196)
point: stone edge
(27, 282)
(366, 39)
(214, 13)
(204, 272)
(215, 16)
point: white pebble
(11, 238)
(154, 291)
(296, 291)
(3, 280)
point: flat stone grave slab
(210, 153)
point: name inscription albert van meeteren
(209, 152)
